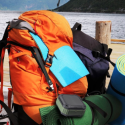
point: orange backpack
(30, 87)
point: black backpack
(95, 56)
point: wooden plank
(118, 50)
(118, 40)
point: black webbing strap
(111, 109)
(3, 116)
(17, 44)
(39, 60)
(105, 47)
(11, 116)
(77, 26)
(93, 106)
(3, 123)
(122, 94)
(98, 54)
(93, 116)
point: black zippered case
(70, 105)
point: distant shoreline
(123, 12)
(19, 11)
(11, 11)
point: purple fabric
(97, 67)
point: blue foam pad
(118, 83)
(66, 65)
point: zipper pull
(18, 58)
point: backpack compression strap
(37, 56)
(92, 107)
(98, 54)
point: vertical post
(103, 32)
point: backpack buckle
(49, 60)
(96, 54)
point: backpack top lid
(87, 41)
(51, 27)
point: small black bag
(95, 56)
(70, 105)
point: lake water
(87, 20)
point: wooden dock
(118, 50)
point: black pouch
(70, 105)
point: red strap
(9, 97)
(1, 67)
(7, 123)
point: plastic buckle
(96, 54)
(109, 52)
(49, 60)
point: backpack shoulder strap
(11, 116)
(77, 26)
(37, 56)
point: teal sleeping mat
(117, 87)
(112, 106)
(66, 65)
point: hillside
(107, 6)
(23, 5)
